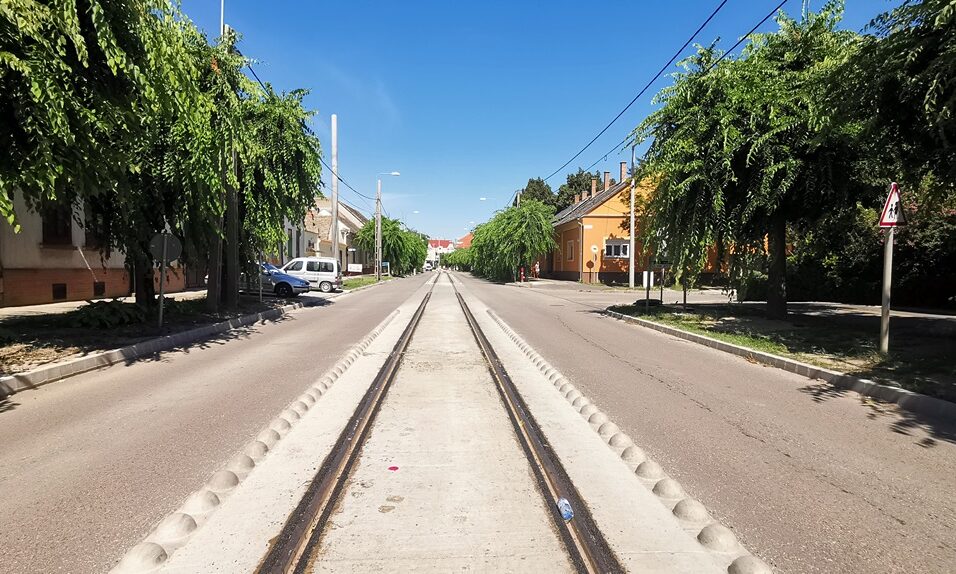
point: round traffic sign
(174, 248)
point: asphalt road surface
(90, 464)
(812, 479)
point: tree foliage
(404, 250)
(538, 190)
(459, 258)
(902, 85)
(577, 183)
(126, 109)
(513, 238)
(744, 148)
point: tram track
(293, 550)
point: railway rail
(293, 550)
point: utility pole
(630, 245)
(378, 225)
(378, 231)
(214, 264)
(232, 217)
(335, 190)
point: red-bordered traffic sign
(893, 215)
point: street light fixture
(378, 224)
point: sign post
(166, 248)
(891, 217)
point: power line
(337, 176)
(643, 90)
(709, 68)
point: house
(592, 235)
(465, 242)
(437, 248)
(318, 235)
(53, 259)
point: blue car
(275, 281)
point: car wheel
(284, 290)
(325, 287)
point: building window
(57, 222)
(616, 249)
(570, 250)
(91, 216)
(289, 246)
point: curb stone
(46, 374)
(174, 529)
(906, 400)
(693, 516)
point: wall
(29, 270)
(606, 221)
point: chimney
(623, 171)
(593, 186)
(607, 180)
(577, 198)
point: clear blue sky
(470, 99)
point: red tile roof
(440, 243)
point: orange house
(592, 235)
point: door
(314, 271)
(296, 268)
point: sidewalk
(11, 313)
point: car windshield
(269, 267)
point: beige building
(53, 259)
(318, 235)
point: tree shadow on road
(210, 341)
(898, 420)
(6, 404)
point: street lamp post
(378, 225)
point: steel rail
(290, 550)
(583, 540)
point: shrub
(107, 315)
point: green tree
(513, 238)
(459, 258)
(404, 250)
(744, 149)
(577, 183)
(126, 109)
(538, 190)
(78, 78)
(902, 86)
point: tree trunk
(143, 281)
(213, 288)
(777, 271)
(231, 285)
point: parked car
(274, 281)
(428, 266)
(323, 273)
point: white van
(322, 273)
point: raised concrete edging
(58, 371)
(907, 400)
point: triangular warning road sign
(893, 215)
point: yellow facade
(603, 223)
